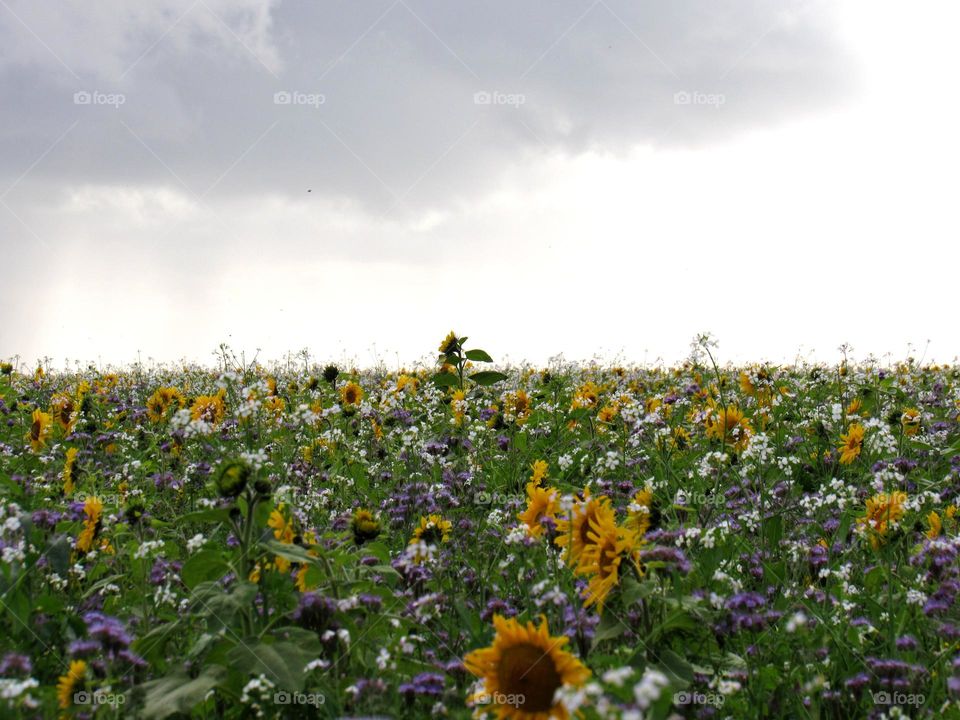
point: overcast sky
(581, 177)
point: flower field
(468, 540)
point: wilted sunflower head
(523, 669)
(330, 373)
(233, 478)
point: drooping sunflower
(432, 530)
(574, 531)
(601, 559)
(541, 503)
(935, 525)
(93, 510)
(883, 510)
(39, 430)
(852, 443)
(68, 684)
(730, 426)
(523, 669)
(351, 394)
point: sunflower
(936, 525)
(351, 394)
(93, 509)
(538, 470)
(910, 421)
(640, 512)
(600, 560)
(883, 510)
(68, 684)
(160, 402)
(433, 529)
(62, 408)
(852, 444)
(574, 532)
(458, 405)
(586, 396)
(541, 503)
(517, 406)
(523, 669)
(407, 381)
(730, 426)
(209, 408)
(39, 430)
(449, 344)
(68, 464)
(365, 526)
(282, 531)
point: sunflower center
(432, 535)
(528, 674)
(35, 430)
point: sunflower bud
(6, 368)
(330, 373)
(233, 479)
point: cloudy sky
(560, 176)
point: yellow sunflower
(351, 394)
(67, 684)
(282, 531)
(93, 509)
(600, 560)
(574, 532)
(458, 405)
(936, 525)
(852, 444)
(432, 530)
(910, 421)
(539, 474)
(39, 430)
(68, 464)
(541, 503)
(209, 408)
(882, 511)
(639, 514)
(449, 343)
(523, 669)
(365, 526)
(62, 408)
(730, 426)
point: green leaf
(610, 627)
(179, 693)
(293, 553)
(479, 356)
(487, 377)
(445, 379)
(210, 515)
(202, 566)
(676, 665)
(281, 662)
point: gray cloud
(398, 124)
